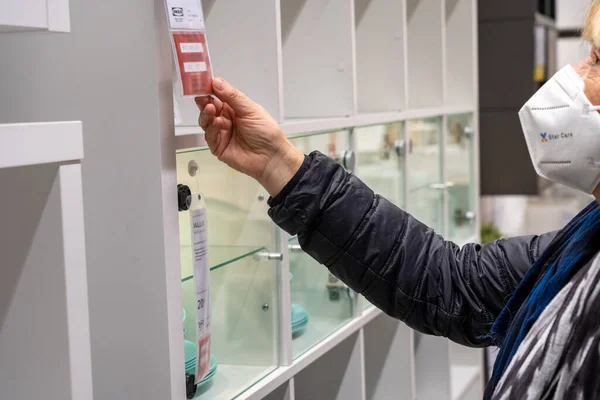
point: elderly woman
(537, 297)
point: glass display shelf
(316, 293)
(244, 302)
(460, 170)
(236, 204)
(218, 257)
(328, 303)
(333, 144)
(381, 153)
(380, 149)
(244, 328)
(424, 166)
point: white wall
(570, 13)
(571, 51)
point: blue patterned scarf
(573, 247)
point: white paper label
(201, 284)
(194, 66)
(192, 48)
(185, 14)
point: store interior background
(514, 211)
(516, 207)
(129, 198)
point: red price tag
(193, 62)
(203, 356)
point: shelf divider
(40, 143)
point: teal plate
(299, 314)
(299, 319)
(299, 327)
(190, 351)
(300, 323)
(190, 368)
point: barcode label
(194, 66)
(192, 48)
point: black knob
(183, 195)
(190, 385)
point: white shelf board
(462, 377)
(34, 15)
(231, 380)
(283, 374)
(377, 118)
(318, 328)
(418, 113)
(40, 143)
(293, 127)
(181, 130)
(459, 109)
(189, 141)
(299, 126)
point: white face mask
(562, 131)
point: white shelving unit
(425, 52)
(34, 15)
(461, 61)
(44, 322)
(380, 55)
(317, 66)
(318, 58)
(349, 63)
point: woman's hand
(243, 135)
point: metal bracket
(265, 255)
(441, 186)
(468, 131)
(400, 147)
(295, 248)
(348, 160)
(335, 287)
(462, 218)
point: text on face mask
(562, 135)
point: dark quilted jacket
(395, 261)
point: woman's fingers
(239, 102)
(212, 134)
(207, 115)
(209, 108)
(203, 101)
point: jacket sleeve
(399, 264)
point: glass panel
(243, 284)
(379, 149)
(321, 304)
(460, 172)
(381, 163)
(424, 168)
(328, 143)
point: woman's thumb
(232, 96)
